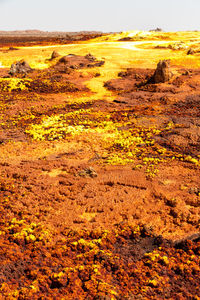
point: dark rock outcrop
(125, 39)
(90, 57)
(66, 59)
(54, 54)
(162, 72)
(12, 48)
(20, 67)
(156, 30)
(190, 51)
(80, 62)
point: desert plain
(99, 167)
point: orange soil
(83, 217)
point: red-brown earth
(85, 216)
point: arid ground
(99, 166)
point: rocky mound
(20, 67)
(162, 72)
(79, 62)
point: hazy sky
(103, 15)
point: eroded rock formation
(163, 72)
(54, 54)
(20, 67)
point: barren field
(99, 168)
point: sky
(99, 15)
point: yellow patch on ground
(53, 172)
(168, 181)
(88, 216)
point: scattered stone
(190, 51)
(88, 172)
(162, 73)
(123, 74)
(12, 49)
(90, 57)
(64, 59)
(54, 54)
(97, 74)
(194, 190)
(20, 67)
(99, 64)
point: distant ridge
(31, 32)
(34, 36)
